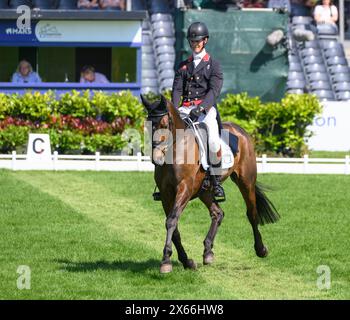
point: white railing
(98, 162)
(305, 165)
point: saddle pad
(227, 155)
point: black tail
(267, 213)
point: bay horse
(179, 183)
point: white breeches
(213, 129)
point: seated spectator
(25, 74)
(301, 7)
(253, 4)
(112, 4)
(326, 16)
(226, 4)
(283, 4)
(203, 4)
(186, 4)
(87, 4)
(89, 75)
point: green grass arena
(99, 235)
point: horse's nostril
(158, 156)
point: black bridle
(155, 119)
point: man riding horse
(199, 81)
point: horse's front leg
(182, 197)
(168, 205)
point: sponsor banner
(9, 32)
(87, 31)
(331, 129)
(60, 31)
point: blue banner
(10, 33)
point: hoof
(190, 264)
(208, 259)
(262, 253)
(166, 268)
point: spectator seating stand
(158, 49)
(318, 66)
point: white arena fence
(139, 162)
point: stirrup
(156, 195)
(218, 190)
(219, 193)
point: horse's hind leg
(247, 189)
(216, 215)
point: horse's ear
(145, 102)
(163, 100)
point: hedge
(85, 123)
(76, 122)
(276, 128)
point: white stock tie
(196, 60)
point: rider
(199, 81)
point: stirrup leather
(206, 184)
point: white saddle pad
(227, 155)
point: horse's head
(160, 117)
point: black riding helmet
(197, 31)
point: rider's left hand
(196, 113)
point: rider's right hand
(196, 113)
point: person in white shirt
(326, 15)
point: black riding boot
(218, 190)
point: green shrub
(70, 120)
(76, 104)
(5, 102)
(74, 142)
(70, 141)
(119, 105)
(242, 110)
(151, 96)
(31, 106)
(103, 143)
(275, 127)
(13, 138)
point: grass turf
(90, 235)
